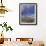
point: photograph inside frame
(28, 13)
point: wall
(38, 32)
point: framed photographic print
(28, 13)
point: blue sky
(28, 10)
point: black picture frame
(20, 7)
